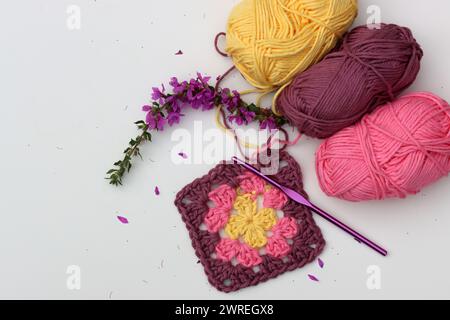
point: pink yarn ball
(397, 150)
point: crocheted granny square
(243, 230)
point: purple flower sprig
(197, 93)
(166, 109)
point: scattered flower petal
(183, 155)
(313, 278)
(157, 191)
(320, 262)
(122, 219)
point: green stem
(115, 175)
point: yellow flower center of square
(250, 223)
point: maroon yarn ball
(369, 68)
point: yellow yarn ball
(271, 41)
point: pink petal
(223, 196)
(320, 262)
(122, 219)
(286, 227)
(250, 183)
(313, 278)
(277, 247)
(227, 249)
(179, 53)
(248, 257)
(216, 219)
(183, 155)
(157, 191)
(274, 198)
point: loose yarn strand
(223, 124)
(216, 44)
(222, 77)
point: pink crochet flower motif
(277, 245)
(250, 222)
(254, 185)
(223, 198)
(228, 249)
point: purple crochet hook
(300, 199)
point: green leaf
(253, 108)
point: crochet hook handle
(358, 237)
(302, 200)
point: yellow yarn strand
(271, 41)
(275, 97)
(262, 94)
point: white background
(68, 101)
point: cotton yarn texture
(397, 150)
(270, 41)
(369, 68)
(240, 240)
